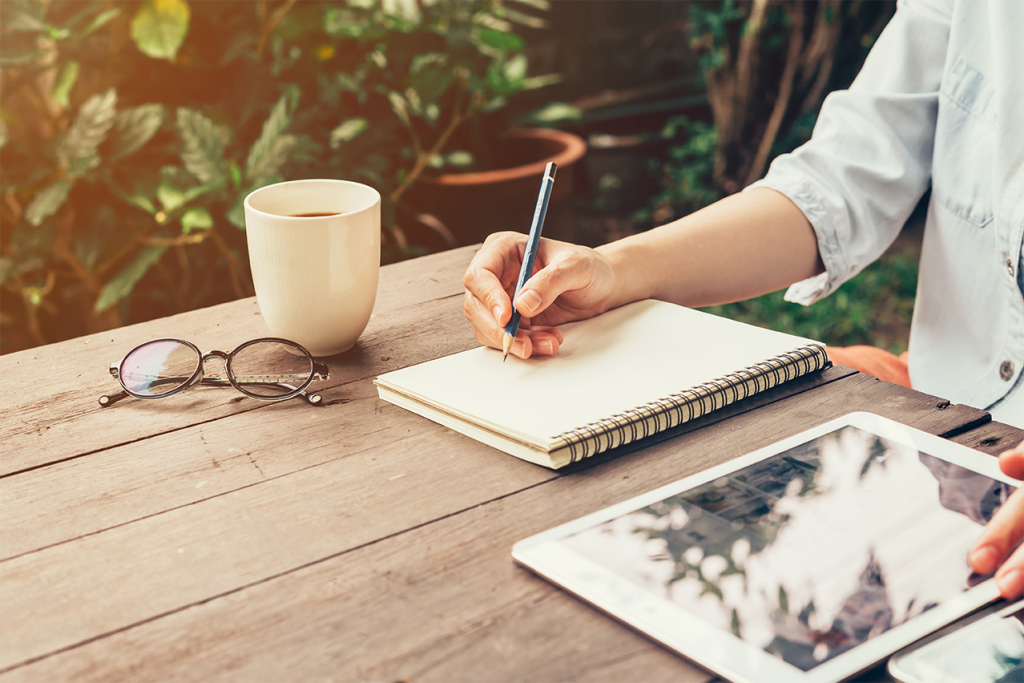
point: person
(939, 102)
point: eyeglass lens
(158, 368)
(269, 368)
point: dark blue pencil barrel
(532, 243)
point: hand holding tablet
(803, 562)
(1005, 531)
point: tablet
(986, 650)
(804, 562)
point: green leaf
(268, 164)
(173, 198)
(406, 10)
(460, 159)
(426, 61)
(522, 18)
(265, 155)
(346, 131)
(134, 127)
(64, 82)
(499, 39)
(543, 5)
(169, 197)
(102, 19)
(23, 22)
(535, 82)
(556, 111)
(341, 22)
(400, 108)
(196, 218)
(140, 201)
(351, 83)
(123, 283)
(47, 201)
(235, 173)
(159, 28)
(431, 79)
(82, 165)
(203, 154)
(236, 214)
(92, 123)
(515, 68)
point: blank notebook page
(619, 360)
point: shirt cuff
(801, 192)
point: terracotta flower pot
(473, 205)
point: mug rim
(376, 198)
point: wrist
(630, 279)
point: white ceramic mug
(315, 276)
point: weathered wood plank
(458, 591)
(75, 423)
(169, 471)
(49, 410)
(99, 584)
(992, 438)
(153, 475)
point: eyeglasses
(269, 369)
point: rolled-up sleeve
(869, 159)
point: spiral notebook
(617, 378)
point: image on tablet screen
(812, 551)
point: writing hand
(568, 282)
(1003, 532)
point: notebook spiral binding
(671, 411)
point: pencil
(532, 243)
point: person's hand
(1004, 531)
(568, 283)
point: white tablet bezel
(950, 636)
(718, 650)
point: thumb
(566, 272)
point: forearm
(743, 246)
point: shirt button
(1006, 370)
(1009, 267)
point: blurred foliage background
(130, 132)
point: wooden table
(210, 536)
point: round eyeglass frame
(317, 370)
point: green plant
(768, 64)
(685, 178)
(131, 132)
(873, 308)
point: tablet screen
(812, 551)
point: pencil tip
(506, 345)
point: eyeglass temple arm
(320, 372)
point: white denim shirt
(940, 100)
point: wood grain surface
(212, 537)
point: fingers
(544, 340)
(565, 270)
(489, 274)
(1012, 462)
(1010, 577)
(531, 341)
(1005, 530)
(1002, 533)
(488, 328)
